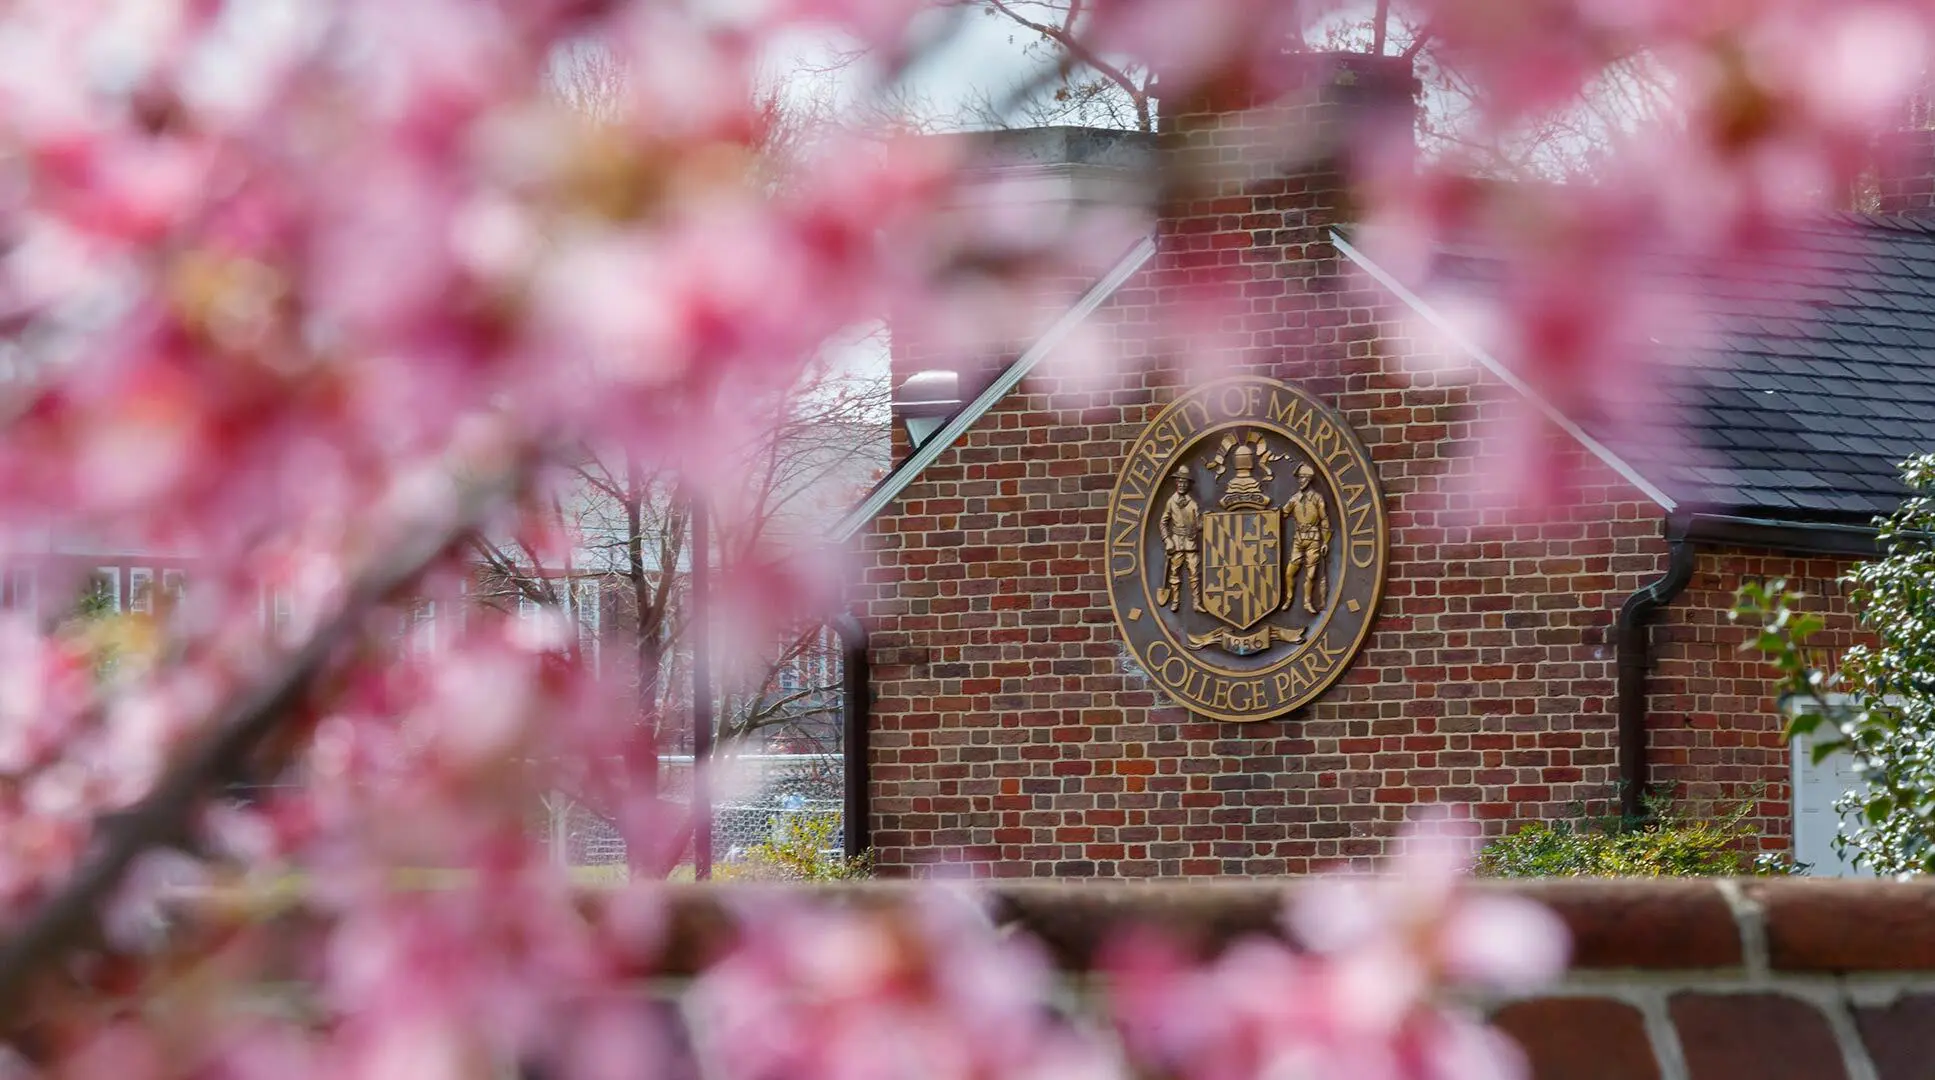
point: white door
(1816, 789)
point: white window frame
(141, 599)
(23, 587)
(589, 599)
(423, 627)
(114, 586)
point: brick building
(1516, 664)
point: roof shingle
(1818, 384)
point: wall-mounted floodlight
(926, 400)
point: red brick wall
(1014, 737)
(1905, 172)
(1012, 734)
(1713, 731)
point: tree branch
(70, 919)
(1417, 45)
(1083, 55)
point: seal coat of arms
(1246, 548)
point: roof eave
(896, 481)
(1789, 535)
(1503, 373)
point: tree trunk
(641, 749)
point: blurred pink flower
(1359, 993)
(278, 280)
(926, 990)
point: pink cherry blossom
(1359, 993)
(307, 295)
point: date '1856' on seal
(1246, 548)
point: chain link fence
(756, 798)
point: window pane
(103, 596)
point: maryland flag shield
(1242, 565)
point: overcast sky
(982, 57)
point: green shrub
(1665, 843)
(1878, 703)
(802, 850)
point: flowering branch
(70, 919)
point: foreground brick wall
(1761, 979)
(1744, 979)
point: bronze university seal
(1246, 548)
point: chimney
(1256, 178)
(1905, 172)
(1326, 107)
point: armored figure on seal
(1309, 543)
(1182, 529)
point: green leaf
(1803, 724)
(1826, 749)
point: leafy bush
(1665, 843)
(1880, 705)
(803, 848)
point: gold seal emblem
(1246, 548)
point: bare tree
(608, 547)
(621, 577)
(1084, 86)
(820, 447)
(591, 80)
(1631, 93)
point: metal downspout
(1632, 648)
(855, 706)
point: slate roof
(1818, 383)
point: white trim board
(1505, 374)
(924, 455)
